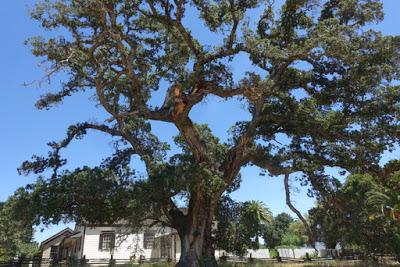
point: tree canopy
(16, 234)
(364, 212)
(239, 225)
(296, 235)
(284, 231)
(322, 78)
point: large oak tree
(321, 78)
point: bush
(273, 253)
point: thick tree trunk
(195, 235)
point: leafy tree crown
(321, 78)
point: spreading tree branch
(297, 212)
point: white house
(96, 242)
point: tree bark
(196, 234)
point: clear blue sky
(25, 130)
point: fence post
(251, 258)
(112, 261)
(36, 261)
(141, 259)
(278, 257)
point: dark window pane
(148, 239)
(53, 252)
(107, 241)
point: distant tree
(364, 212)
(239, 225)
(274, 232)
(320, 78)
(292, 240)
(326, 223)
(295, 235)
(255, 215)
(227, 216)
(15, 234)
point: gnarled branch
(297, 212)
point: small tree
(320, 79)
(274, 231)
(295, 235)
(326, 223)
(239, 225)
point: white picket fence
(256, 254)
(295, 252)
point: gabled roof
(65, 231)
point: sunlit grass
(344, 263)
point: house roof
(65, 231)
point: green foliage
(15, 234)
(273, 253)
(94, 195)
(297, 228)
(274, 232)
(239, 225)
(283, 231)
(365, 212)
(291, 240)
(320, 79)
(295, 235)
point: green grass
(344, 263)
(326, 263)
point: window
(148, 239)
(107, 241)
(54, 252)
(165, 249)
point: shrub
(273, 253)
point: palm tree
(255, 214)
(258, 211)
(384, 200)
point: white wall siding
(126, 244)
(91, 244)
(46, 253)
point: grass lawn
(316, 264)
(343, 263)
